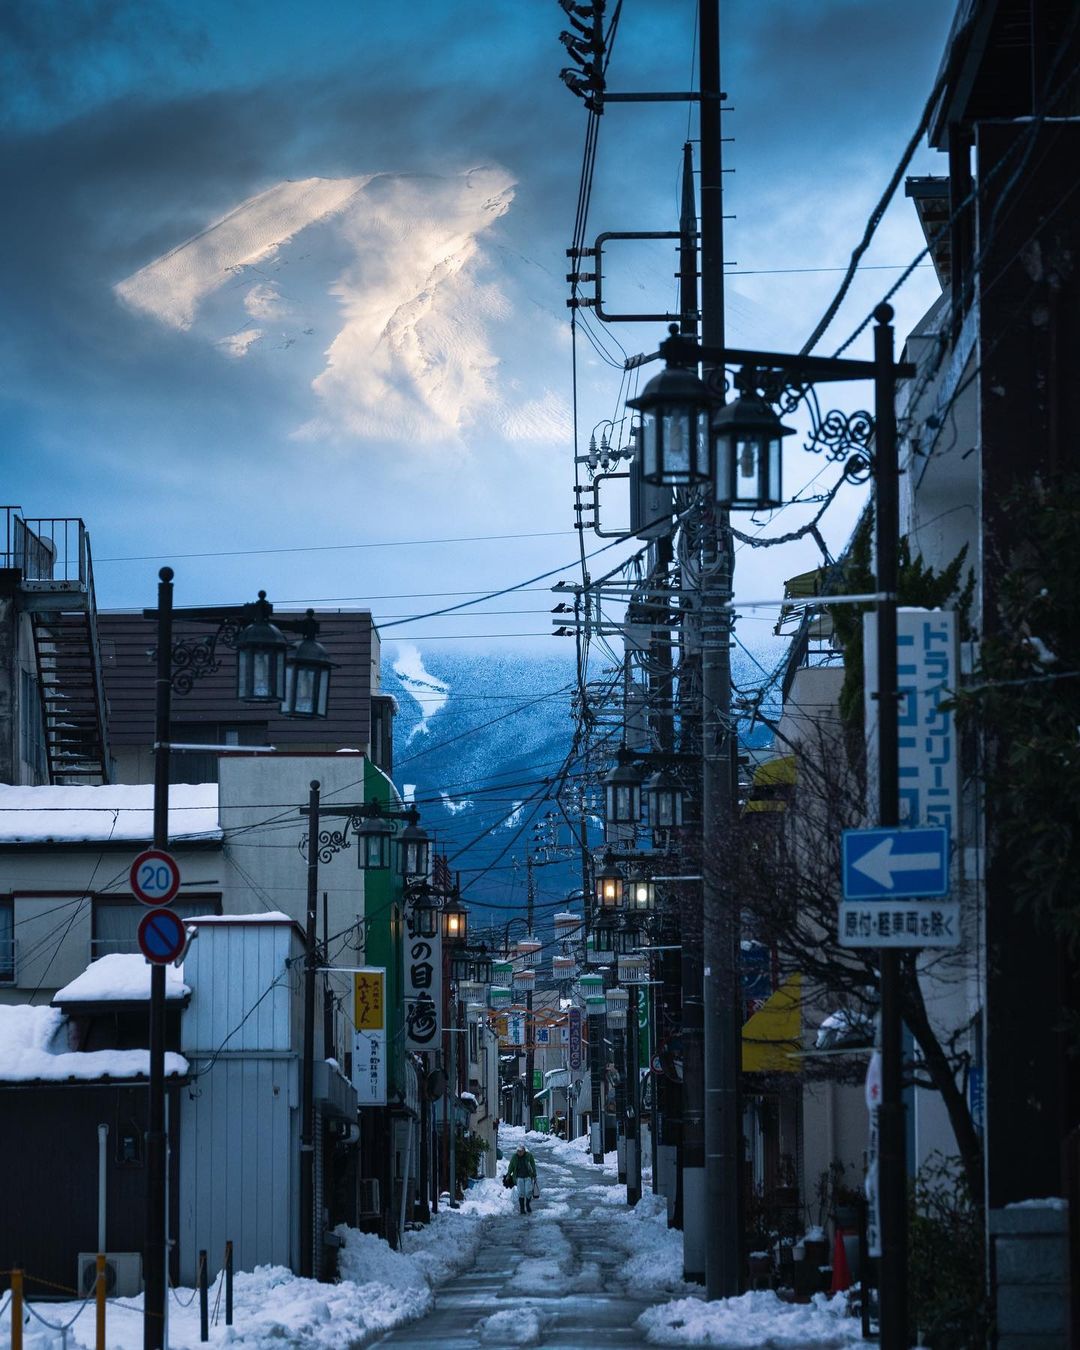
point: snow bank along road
(582, 1272)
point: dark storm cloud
(54, 54)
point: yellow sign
(771, 1039)
(369, 1002)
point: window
(7, 940)
(193, 767)
(115, 922)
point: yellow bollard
(99, 1299)
(16, 1309)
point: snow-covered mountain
(478, 738)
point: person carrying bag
(522, 1174)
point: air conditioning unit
(123, 1273)
(369, 1197)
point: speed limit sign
(155, 877)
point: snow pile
(35, 815)
(514, 1326)
(120, 977)
(271, 1306)
(654, 1263)
(367, 1259)
(754, 1321)
(1048, 1202)
(33, 1048)
(449, 1242)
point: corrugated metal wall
(239, 1149)
(240, 1117)
(241, 988)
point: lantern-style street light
(455, 922)
(261, 648)
(307, 674)
(609, 886)
(675, 407)
(622, 791)
(414, 847)
(426, 911)
(374, 836)
(628, 937)
(664, 794)
(747, 440)
(640, 895)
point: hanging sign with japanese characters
(895, 880)
(927, 671)
(423, 988)
(899, 923)
(369, 1036)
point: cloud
(172, 287)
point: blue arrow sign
(884, 864)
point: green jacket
(525, 1163)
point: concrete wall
(52, 888)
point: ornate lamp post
(747, 456)
(263, 662)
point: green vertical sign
(643, 1028)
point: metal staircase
(56, 589)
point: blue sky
(381, 354)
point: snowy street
(550, 1278)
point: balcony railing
(49, 551)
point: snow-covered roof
(114, 811)
(267, 916)
(33, 1048)
(120, 977)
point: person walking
(522, 1171)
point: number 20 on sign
(155, 877)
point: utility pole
(720, 983)
(307, 1087)
(154, 1254)
(893, 1169)
(633, 1099)
(530, 1025)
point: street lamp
(747, 439)
(640, 896)
(374, 835)
(455, 922)
(307, 674)
(675, 407)
(426, 911)
(414, 847)
(261, 649)
(609, 886)
(622, 791)
(627, 938)
(664, 795)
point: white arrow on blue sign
(883, 864)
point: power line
(337, 548)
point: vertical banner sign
(423, 988)
(928, 672)
(369, 1036)
(515, 1028)
(574, 1037)
(643, 1028)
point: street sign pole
(893, 1161)
(154, 1272)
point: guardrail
(49, 549)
